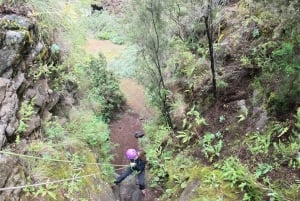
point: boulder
(190, 190)
(11, 174)
(8, 108)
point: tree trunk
(211, 54)
(161, 86)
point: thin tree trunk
(162, 95)
(211, 53)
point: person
(137, 163)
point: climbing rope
(46, 183)
(56, 181)
(57, 160)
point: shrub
(280, 80)
(156, 155)
(104, 87)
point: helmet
(131, 153)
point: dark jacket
(140, 167)
(140, 164)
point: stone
(189, 191)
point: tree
(209, 30)
(149, 34)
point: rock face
(26, 96)
(21, 79)
(11, 174)
(189, 191)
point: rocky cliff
(31, 90)
(26, 57)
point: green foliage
(179, 171)
(190, 124)
(65, 21)
(222, 118)
(156, 155)
(55, 74)
(297, 123)
(245, 60)
(288, 152)
(262, 169)
(212, 186)
(283, 94)
(186, 69)
(221, 84)
(25, 112)
(238, 175)
(185, 136)
(259, 143)
(126, 65)
(46, 191)
(193, 119)
(92, 130)
(255, 33)
(69, 149)
(211, 145)
(104, 87)
(106, 27)
(152, 48)
(54, 130)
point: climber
(137, 163)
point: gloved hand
(132, 164)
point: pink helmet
(131, 153)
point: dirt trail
(123, 129)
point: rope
(57, 160)
(45, 183)
(56, 181)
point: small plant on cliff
(25, 112)
(190, 124)
(54, 130)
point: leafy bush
(192, 121)
(280, 79)
(104, 87)
(156, 155)
(287, 151)
(262, 169)
(92, 130)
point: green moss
(42, 170)
(212, 186)
(8, 25)
(292, 192)
(182, 171)
(28, 36)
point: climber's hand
(132, 165)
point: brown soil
(106, 47)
